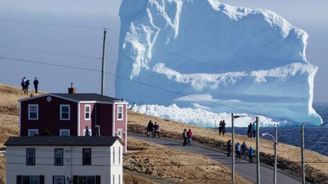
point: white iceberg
(203, 54)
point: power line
(50, 24)
(52, 53)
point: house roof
(87, 97)
(62, 141)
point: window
(33, 111)
(58, 179)
(33, 132)
(86, 179)
(59, 156)
(120, 112)
(119, 133)
(65, 112)
(87, 109)
(30, 179)
(64, 132)
(113, 155)
(86, 156)
(113, 178)
(30, 156)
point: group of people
(187, 137)
(25, 84)
(241, 151)
(152, 129)
(251, 130)
(222, 127)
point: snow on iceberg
(203, 54)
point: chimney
(71, 90)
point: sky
(67, 34)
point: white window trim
(69, 112)
(118, 107)
(62, 130)
(37, 111)
(85, 112)
(29, 131)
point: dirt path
(243, 168)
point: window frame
(57, 176)
(85, 112)
(62, 157)
(63, 130)
(29, 111)
(84, 161)
(61, 112)
(27, 156)
(31, 130)
(117, 113)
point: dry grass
(175, 166)
(288, 156)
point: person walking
(27, 83)
(184, 137)
(243, 150)
(254, 129)
(249, 130)
(156, 130)
(229, 148)
(250, 154)
(150, 128)
(36, 84)
(189, 136)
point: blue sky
(69, 32)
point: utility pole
(302, 154)
(103, 63)
(258, 164)
(233, 148)
(275, 155)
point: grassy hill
(145, 163)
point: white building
(64, 160)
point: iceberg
(204, 54)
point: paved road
(242, 167)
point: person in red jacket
(189, 136)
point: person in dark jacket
(150, 127)
(36, 84)
(223, 127)
(27, 83)
(243, 150)
(249, 130)
(229, 148)
(184, 137)
(23, 84)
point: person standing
(150, 128)
(23, 84)
(36, 84)
(189, 136)
(243, 150)
(27, 83)
(250, 154)
(254, 129)
(220, 127)
(184, 137)
(249, 130)
(238, 151)
(156, 130)
(229, 148)
(223, 127)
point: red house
(73, 114)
